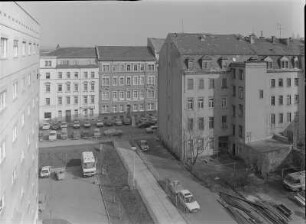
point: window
(288, 99)
(48, 63)
(92, 74)
(91, 112)
(115, 95)
(234, 110)
(14, 132)
(105, 68)
(59, 88)
(280, 83)
(190, 84)
(135, 94)
(273, 119)
(92, 86)
(224, 122)
(23, 48)
(3, 47)
(240, 74)
(29, 48)
(92, 99)
(68, 75)
(76, 99)
(121, 108)
(296, 99)
(135, 107)
(105, 95)
(48, 85)
(201, 123)
(135, 80)
(280, 100)
(201, 103)
(272, 83)
(60, 75)
(68, 99)
(240, 112)
(280, 118)
(261, 94)
(85, 99)
(284, 63)
(135, 67)
(114, 81)
(269, 64)
(272, 100)
(205, 64)
(240, 92)
(85, 75)
(128, 80)
(60, 114)
(240, 130)
(2, 100)
(121, 95)
(47, 115)
(211, 123)
(76, 87)
(141, 94)
(2, 151)
(151, 67)
(76, 75)
(234, 91)
(76, 113)
(201, 83)
(15, 90)
(190, 124)
(121, 81)
(296, 81)
(150, 106)
(211, 102)
(224, 102)
(211, 84)
(288, 82)
(296, 62)
(105, 81)
(15, 48)
(128, 68)
(234, 129)
(224, 83)
(151, 80)
(288, 117)
(128, 95)
(85, 85)
(190, 103)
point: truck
(88, 164)
(181, 196)
(295, 181)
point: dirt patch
(117, 177)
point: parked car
(64, 133)
(118, 122)
(295, 181)
(52, 135)
(76, 135)
(127, 121)
(85, 134)
(87, 124)
(299, 197)
(99, 123)
(60, 174)
(151, 129)
(187, 200)
(97, 133)
(64, 125)
(143, 144)
(45, 171)
(145, 124)
(45, 126)
(108, 123)
(55, 126)
(76, 124)
(113, 132)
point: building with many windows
(128, 80)
(225, 92)
(69, 84)
(19, 95)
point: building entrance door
(68, 115)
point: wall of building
(117, 102)
(19, 116)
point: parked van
(295, 181)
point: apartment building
(221, 92)
(19, 95)
(128, 80)
(69, 84)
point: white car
(64, 125)
(46, 126)
(76, 124)
(188, 201)
(45, 171)
(52, 135)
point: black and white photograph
(152, 112)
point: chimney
(252, 39)
(273, 39)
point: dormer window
(284, 63)
(296, 62)
(269, 62)
(205, 62)
(188, 63)
(223, 62)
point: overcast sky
(90, 23)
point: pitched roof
(74, 52)
(76, 66)
(124, 53)
(157, 43)
(231, 44)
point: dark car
(145, 124)
(85, 134)
(55, 126)
(108, 123)
(127, 121)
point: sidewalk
(157, 203)
(68, 142)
